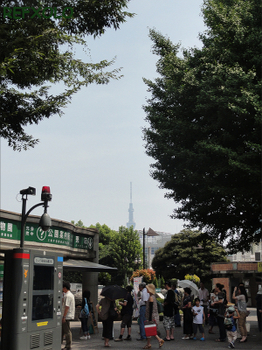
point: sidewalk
(254, 339)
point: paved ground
(96, 342)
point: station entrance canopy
(83, 265)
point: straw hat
(151, 288)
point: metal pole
(25, 216)
(22, 237)
(144, 254)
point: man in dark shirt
(127, 313)
(168, 320)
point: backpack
(160, 307)
(85, 311)
(178, 299)
(228, 323)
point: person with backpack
(84, 314)
(177, 305)
(231, 316)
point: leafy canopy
(36, 53)
(120, 249)
(188, 252)
(204, 119)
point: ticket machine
(32, 300)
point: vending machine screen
(43, 289)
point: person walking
(152, 314)
(203, 294)
(168, 320)
(142, 310)
(68, 312)
(127, 313)
(241, 299)
(198, 319)
(84, 318)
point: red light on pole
(46, 195)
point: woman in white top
(241, 299)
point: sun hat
(151, 288)
(231, 309)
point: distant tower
(131, 211)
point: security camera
(29, 190)
(45, 222)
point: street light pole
(144, 254)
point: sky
(90, 155)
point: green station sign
(11, 229)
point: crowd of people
(207, 309)
(211, 309)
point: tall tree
(121, 249)
(188, 252)
(205, 124)
(36, 51)
(126, 250)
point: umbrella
(114, 292)
(189, 284)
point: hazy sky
(90, 155)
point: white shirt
(198, 319)
(69, 300)
(203, 294)
(144, 297)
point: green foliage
(187, 252)
(155, 282)
(119, 249)
(72, 276)
(79, 223)
(104, 278)
(173, 282)
(106, 235)
(125, 248)
(205, 124)
(162, 282)
(36, 53)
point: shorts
(168, 322)
(126, 321)
(198, 326)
